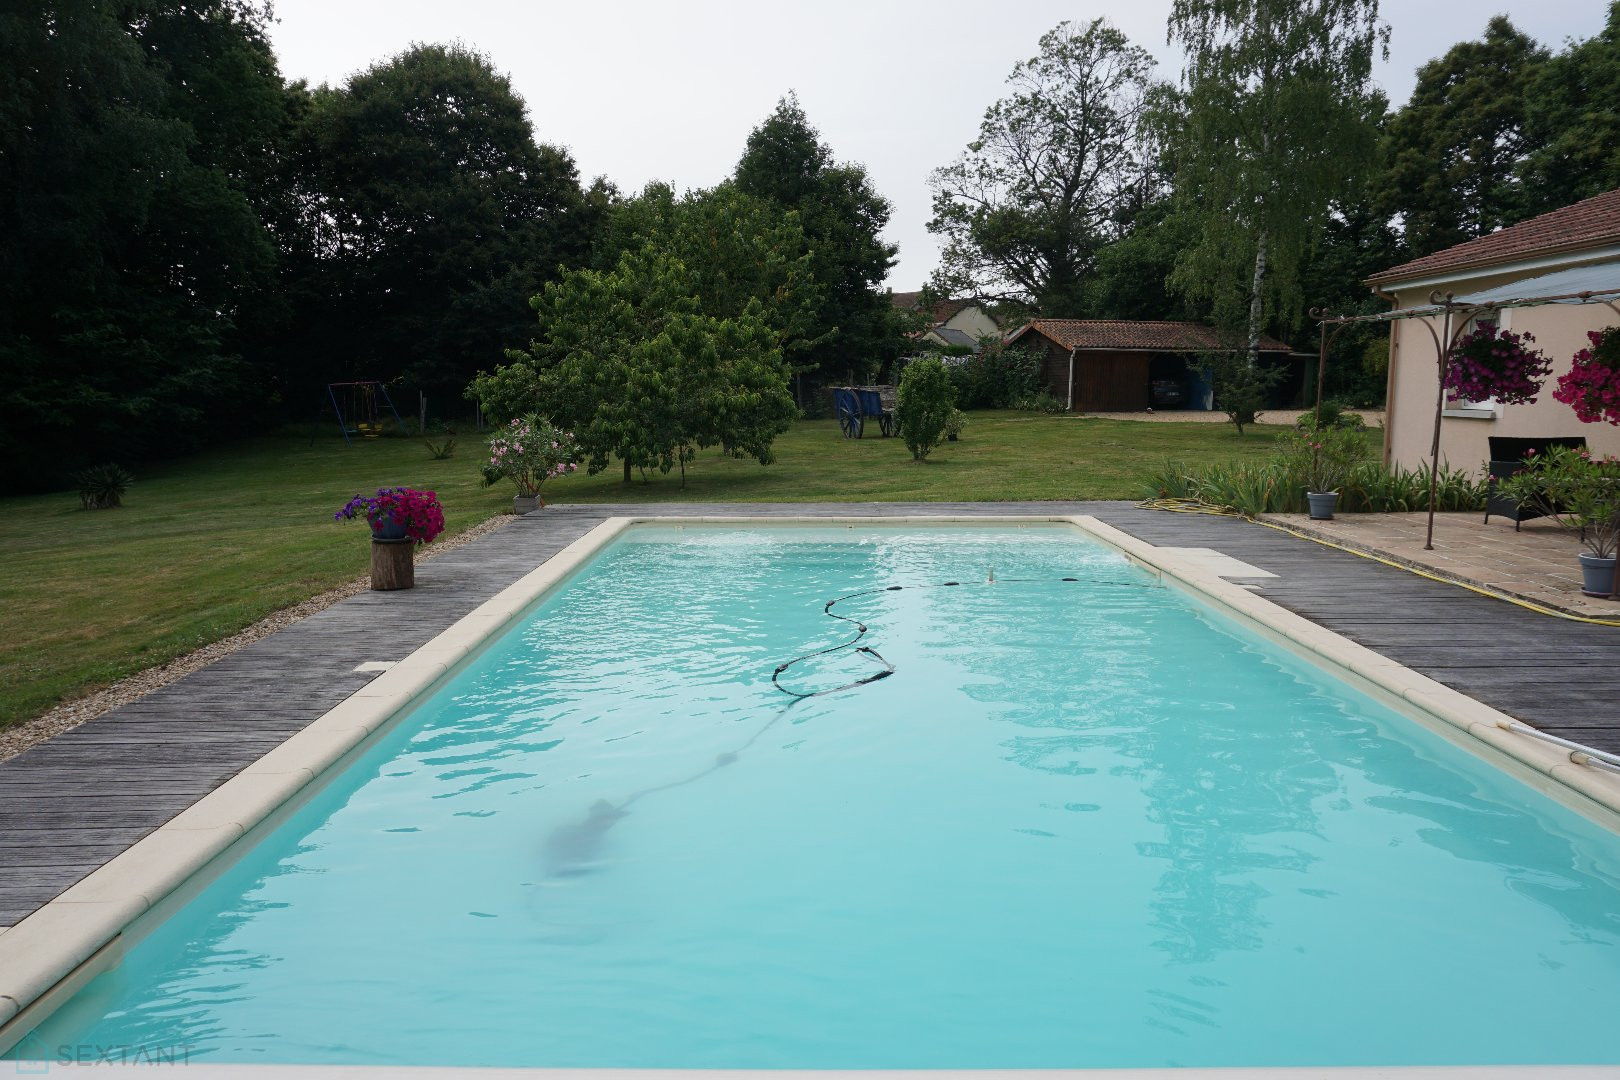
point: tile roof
(1134, 334)
(1591, 222)
(942, 310)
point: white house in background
(1571, 250)
(955, 322)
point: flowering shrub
(529, 451)
(1581, 492)
(1592, 386)
(1323, 459)
(418, 512)
(1492, 363)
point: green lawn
(208, 545)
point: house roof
(1134, 334)
(953, 336)
(940, 312)
(1593, 222)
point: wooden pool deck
(70, 804)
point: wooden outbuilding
(1114, 365)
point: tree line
(1272, 176)
(192, 245)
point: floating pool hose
(877, 657)
(585, 836)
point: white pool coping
(49, 955)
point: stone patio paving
(1536, 563)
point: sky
(639, 91)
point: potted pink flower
(529, 451)
(397, 514)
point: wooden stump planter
(393, 564)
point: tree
(736, 249)
(438, 214)
(1128, 278)
(628, 360)
(855, 328)
(1057, 170)
(136, 257)
(1453, 152)
(1277, 128)
(1572, 124)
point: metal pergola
(1455, 313)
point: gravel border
(70, 714)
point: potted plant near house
(529, 451)
(954, 424)
(1322, 459)
(400, 519)
(1580, 492)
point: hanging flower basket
(1491, 363)
(1592, 386)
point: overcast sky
(664, 90)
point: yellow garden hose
(1193, 506)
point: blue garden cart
(857, 404)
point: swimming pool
(1084, 823)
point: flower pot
(1597, 575)
(387, 529)
(524, 504)
(1322, 504)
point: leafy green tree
(135, 256)
(1453, 151)
(1057, 169)
(924, 405)
(1128, 280)
(628, 360)
(736, 250)
(1572, 124)
(855, 328)
(438, 217)
(1278, 126)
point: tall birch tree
(1278, 126)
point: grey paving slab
(68, 805)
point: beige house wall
(1560, 331)
(973, 320)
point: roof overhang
(1544, 261)
(1594, 283)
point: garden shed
(1119, 365)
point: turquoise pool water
(1083, 824)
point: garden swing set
(365, 399)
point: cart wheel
(850, 424)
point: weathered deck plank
(70, 804)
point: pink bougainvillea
(1592, 386)
(1492, 363)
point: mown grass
(208, 545)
